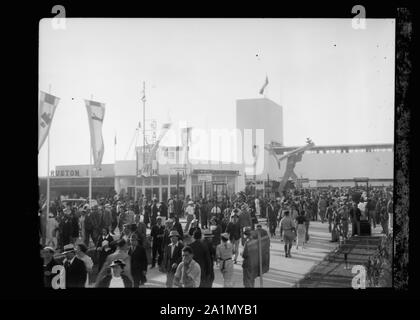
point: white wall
(374, 165)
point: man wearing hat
(155, 210)
(49, 263)
(224, 252)
(117, 279)
(234, 230)
(76, 273)
(190, 211)
(207, 240)
(157, 233)
(103, 246)
(202, 256)
(248, 274)
(137, 252)
(107, 217)
(172, 257)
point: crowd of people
(121, 239)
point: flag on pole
(96, 113)
(46, 109)
(115, 139)
(264, 86)
(186, 138)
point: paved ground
(290, 272)
(284, 272)
(333, 272)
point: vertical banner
(185, 140)
(46, 109)
(96, 114)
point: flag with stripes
(46, 109)
(96, 114)
(265, 85)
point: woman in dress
(301, 230)
(287, 228)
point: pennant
(150, 166)
(96, 114)
(265, 85)
(46, 108)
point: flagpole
(48, 177)
(90, 167)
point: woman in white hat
(224, 253)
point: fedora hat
(117, 262)
(68, 248)
(173, 233)
(225, 235)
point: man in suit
(103, 246)
(201, 254)
(107, 217)
(66, 228)
(157, 234)
(76, 273)
(138, 261)
(172, 257)
(208, 242)
(122, 254)
(155, 210)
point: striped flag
(46, 109)
(96, 114)
(265, 85)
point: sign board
(204, 178)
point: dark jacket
(157, 233)
(106, 281)
(102, 253)
(163, 209)
(201, 254)
(169, 260)
(138, 262)
(48, 269)
(234, 230)
(76, 273)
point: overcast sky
(335, 83)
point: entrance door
(219, 191)
(156, 193)
(148, 192)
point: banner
(96, 114)
(185, 140)
(46, 108)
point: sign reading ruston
(65, 173)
